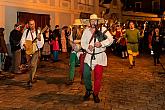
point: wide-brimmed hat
(77, 22)
(94, 17)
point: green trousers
(87, 77)
(73, 62)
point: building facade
(61, 12)
(142, 10)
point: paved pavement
(141, 88)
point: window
(138, 6)
(155, 5)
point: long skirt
(46, 49)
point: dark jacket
(157, 43)
(3, 47)
(15, 37)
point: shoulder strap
(105, 31)
(27, 32)
(91, 38)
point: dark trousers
(16, 61)
(32, 63)
(156, 57)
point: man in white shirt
(37, 40)
(95, 43)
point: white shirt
(76, 42)
(101, 58)
(29, 37)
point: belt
(133, 42)
(95, 53)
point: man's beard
(93, 26)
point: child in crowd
(55, 48)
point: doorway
(41, 20)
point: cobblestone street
(140, 88)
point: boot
(131, 66)
(87, 95)
(96, 98)
(69, 82)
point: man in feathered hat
(94, 42)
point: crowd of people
(84, 45)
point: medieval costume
(63, 40)
(76, 53)
(46, 47)
(94, 42)
(156, 46)
(32, 42)
(132, 36)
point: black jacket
(157, 44)
(15, 37)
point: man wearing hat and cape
(94, 42)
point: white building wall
(62, 12)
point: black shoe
(78, 65)
(87, 95)
(158, 62)
(131, 66)
(96, 98)
(133, 63)
(2, 77)
(29, 84)
(70, 82)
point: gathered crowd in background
(57, 41)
